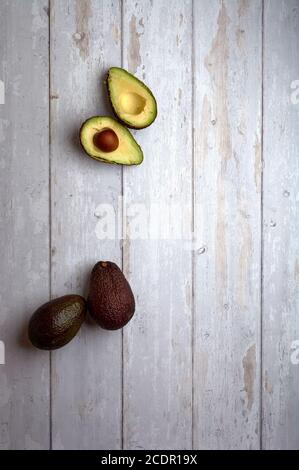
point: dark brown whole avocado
(56, 323)
(111, 301)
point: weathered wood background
(206, 361)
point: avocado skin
(55, 323)
(125, 123)
(111, 301)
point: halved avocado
(105, 139)
(132, 101)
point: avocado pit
(106, 140)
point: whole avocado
(55, 323)
(111, 301)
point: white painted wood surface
(24, 215)
(86, 375)
(281, 225)
(206, 361)
(158, 344)
(227, 122)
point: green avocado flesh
(132, 101)
(55, 323)
(120, 146)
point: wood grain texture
(281, 225)
(227, 158)
(24, 268)
(86, 375)
(206, 348)
(157, 343)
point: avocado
(111, 301)
(132, 101)
(55, 323)
(105, 139)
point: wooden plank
(157, 343)
(24, 159)
(86, 375)
(227, 126)
(281, 225)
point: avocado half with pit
(132, 101)
(105, 139)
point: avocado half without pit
(131, 100)
(105, 139)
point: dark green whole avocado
(111, 301)
(55, 323)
